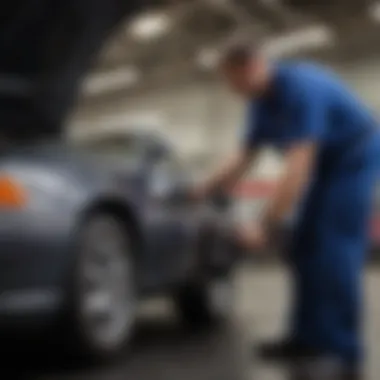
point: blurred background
(157, 71)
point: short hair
(238, 52)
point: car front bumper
(33, 270)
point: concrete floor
(263, 301)
(163, 350)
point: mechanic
(331, 148)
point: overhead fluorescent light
(207, 58)
(374, 11)
(149, 25)
(305, 39)
(117, 79)
(219, 2)
(270, 3)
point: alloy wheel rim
(107, 294)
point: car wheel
(206, 303)
(103, 298)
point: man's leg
(294, 345)
(327, 262)
(335, 269)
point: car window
(168, 163)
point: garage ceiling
(176, 41)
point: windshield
(114, 147)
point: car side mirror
(155, 153)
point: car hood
(46, 49)
(65, 161)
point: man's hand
(227, 175)
(252, 237)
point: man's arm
(228, 174)
(306, 126)
(299, 163)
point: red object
(375, 229)
(254, 189)
(251, 190)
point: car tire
(207, 298)
(102, 299)
(204, 304)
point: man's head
(244, 68)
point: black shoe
(285, 350)
(353, 374)
(323, 368)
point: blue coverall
(307, 103)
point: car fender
(58, 199)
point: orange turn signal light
(12, 194)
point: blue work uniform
(307, 103)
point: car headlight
(37, 190)
(13, 194)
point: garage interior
(157, 72)
(157, 68)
